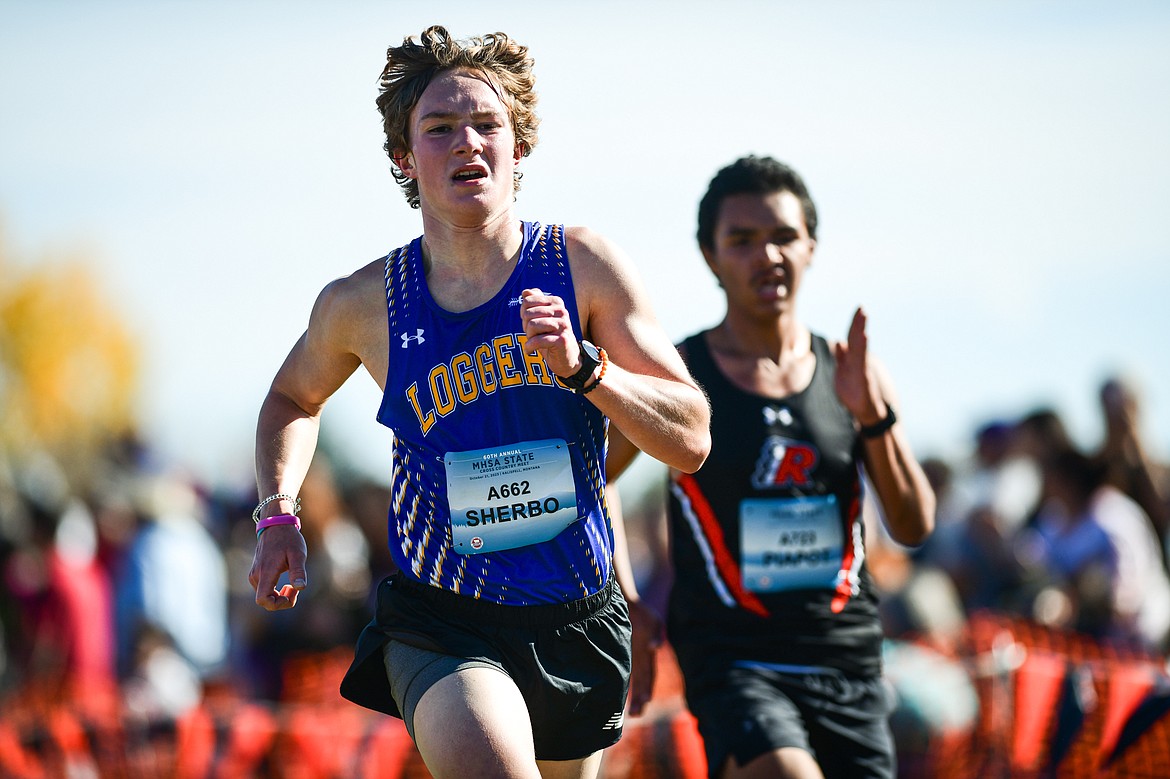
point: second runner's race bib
(790, 543)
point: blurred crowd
(1032, 525)
(132, 588)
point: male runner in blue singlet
(772, 613)
(503, 348)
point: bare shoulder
(363, 288)
(586, 239)
(593, 252)
(350, 314)
(602, 271)
(615, 307)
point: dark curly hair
(752, 175)
(504, 64)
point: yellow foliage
(68, 365)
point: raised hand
(856, 384)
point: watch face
(590, 359)
(592, 352)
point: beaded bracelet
(278, 519)
(295, 501)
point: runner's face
(762, 248)
(463, 151)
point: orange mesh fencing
(1051, 705)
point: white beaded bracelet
(295, 501)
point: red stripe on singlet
(724, 561)
(845, 587)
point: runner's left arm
(864, 387)
(646, 389)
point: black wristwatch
(879, 428)
(590, 359)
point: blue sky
(992, 179)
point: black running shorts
(570, 661)
(746, 711)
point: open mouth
(469, 175)
(774, 291)
(772, 286)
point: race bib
(510, 496)
(790, 543)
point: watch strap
(878, 428)
(589, 364)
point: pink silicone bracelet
(279, 519)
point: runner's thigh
(474, 722)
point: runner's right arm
(286, 438)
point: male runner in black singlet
(772, 613)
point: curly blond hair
(504, 64)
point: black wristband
(590, 359)
(879, 428)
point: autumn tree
(68, 363)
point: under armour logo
(406, 339)
(774, 415)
